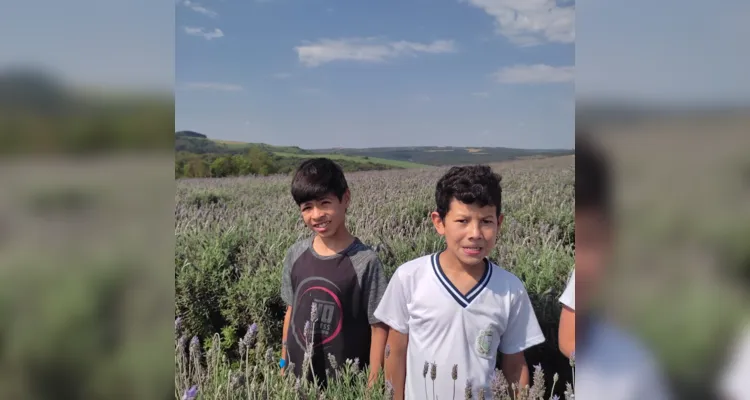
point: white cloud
(195, 31)
(365, 50)
(199, 9)
(530, 22)
(534, 74)
(224, 87)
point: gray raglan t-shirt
(347, 288)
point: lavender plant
(232, 235)
(259, 378)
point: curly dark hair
(316, 178)
(592, 185)
(474, 184)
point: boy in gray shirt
(337, 273)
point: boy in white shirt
(451, 312)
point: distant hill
(433, 155)
(399, 157)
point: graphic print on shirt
(328, 324)
(483, 343)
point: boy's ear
(438, 223)
(346, 199)
(500, 219)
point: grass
(232, 235)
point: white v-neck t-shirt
(447, 328)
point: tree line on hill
(255, 161)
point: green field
(394, 163)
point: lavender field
(232, 235)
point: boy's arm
(287, 318)
(515, 371)
(287, 295)
(522, 332)
(395, 363)
(377, 350)
(567, 329)
(393, 312)
(375, 285)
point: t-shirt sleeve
(287, 292)
(523, 330)
(374, 287)
(568, 297)
(392, 309)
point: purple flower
(252, 330)
(190, 393)
(195, 345)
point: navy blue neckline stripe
(472, 294)
(445, 282)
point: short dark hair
(592, 185)
(474, 184)
(316, 178)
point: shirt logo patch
(484, 341)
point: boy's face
(325, 215)
(593, 250)
(470, 231)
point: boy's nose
(475, 232)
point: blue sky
(325, 73)
(102, 43)
(666, 50)
(674, 50)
